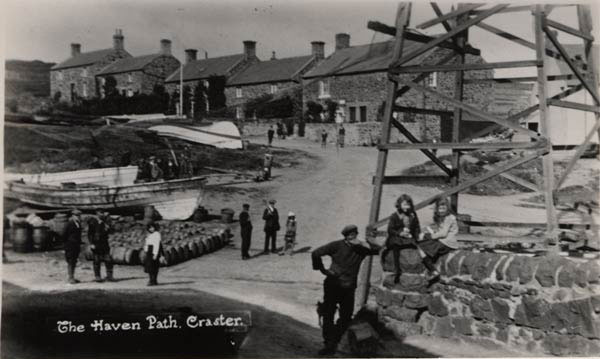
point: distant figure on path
(324, 135)
(340, 283)
(73, 244)
(98, 230)
(270, 135)
(271, 218)
(152, 247)
(245, 230)
(341, 136)
(290, 234)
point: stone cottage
(270, 77)
(197, 72)
(75, 77)
(356, 78)
(140, 74)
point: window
(273, 88)
(205, 83)
(129, 78)
(129, 92)
(352, 114)
(59, 76)
(238, 112)
(84, 72)
(363, 113)
(432, 80)
(324, 89)
(238, 92)
(84, 90)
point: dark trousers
(336, 295)
(273, 236)
(152, 268)
(246, 234)
(106, 258)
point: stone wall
(543, 305)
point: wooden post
(402, 21)
(548, 166)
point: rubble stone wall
(545, 305)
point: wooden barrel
(21, 237)
(193, 247)
(207, 244)
(174, 256)
(142, 256)
(216, 242)
(200, 246)
(200, 214)
(60, 226)
(162, 262)
(42, 238)
(181, 253)
(131, 256)
(227, 215)
(118, 255)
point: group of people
(341, 139)
(271, 227)
(347, 254)
(282, 132)
(156, 169)
(98, 232)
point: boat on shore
(109, 176)
(223, 134)
(175, 199)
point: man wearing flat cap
(340, 283)
(271, 217)
(98, 231)
(73, 243)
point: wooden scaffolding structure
(457, 23)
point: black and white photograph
(300, 179)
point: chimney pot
(273, 57)
(318, 50)
(250, 49)
(165, 47)
(118, 40)
(205, 54)
(342, 41)
(190, 55)
(75, 49)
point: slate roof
(129, 64)
(203, 69)
(270, 71)
(83, 59)
(373, 57)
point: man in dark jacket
(271, 217)
(73, 243)
(340, 283)
(245, 230)
(270, 134)
(98, 230)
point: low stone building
(356, 78)
(140, 74)
(197, 73)
(75, 77)
(270, 77)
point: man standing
(73, 243)
(267, 165)
(271, 217)
(340, 283)
(98, 229)
(324, 138)
(341, 136)
(245, 230)
(270, 134)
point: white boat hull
(220, 134)
(110, 176)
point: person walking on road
(152, 247)
(271, 218)
(73, 244)
(324, 135)
(245, 230)
(290, 234)
(341, 136)
(98, 230)
(270, 135)
(340, 283)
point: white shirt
(153, 240)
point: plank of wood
(423, 75)
(467, 67)
(464, 146)
(521, 182)
(416, 179)
(569, 30)
(423, 111)
(439, 13)
(574, 106)
(580, 150)
(520, 79)
(450, 15)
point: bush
(331, 107)
(313, 111)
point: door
(363, 113)
(352, 114)
(73, 93)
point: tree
(216, 93)
(313, 111)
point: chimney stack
(342, 41)
(75, 49)
(205, 54)
(318, 50)
(190, 55)
(250, 49)
(165, 47)
(118, 40)
(273, 56)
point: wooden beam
(427, 153)
(472, 110)
(417, 179)
(463, 146)
(525, 224)
(518, 180)
(469, 183)
(520, 79)
(439, 13)
(580, 150)
(438, 40)
(423, 75)
(467, 67)
(574, 106)
(422, 111)
(413, 36)
(452, 14)
(569, 62)
(569, 30)
(506, 10)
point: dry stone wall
(544, 305)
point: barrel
(131, 256)
(142, 256)
(200, 245)
(181, 253)
(41, 238)
(174, 256)
(118, 254)
(200, 214)
(227, 215)
(207, 244)
(60, 226)
(21, 237)
(216, 241)
(193, 247)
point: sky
(43, 29)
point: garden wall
(544, 305)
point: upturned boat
(110, 176)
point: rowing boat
(221, 134)
(176, 199)
(110, 176)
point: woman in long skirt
(152, 247)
